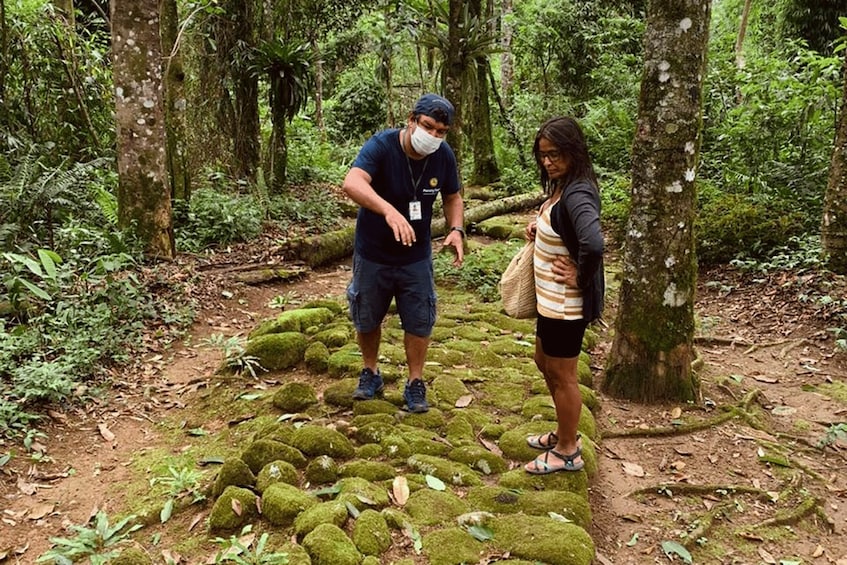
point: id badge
(415, 210)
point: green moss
(395, 447)
(296, 554)
(493, 431)
(234, 472)
(264, 451)
(293, 321)
(371, 534)
(422, 442)
(513, 442)
(282, 503)
(584, 375)
(478, 457)
(332, 512)
(500, 500)
(317, 357)
(373, 432)
(590, 340)
(276, 431)
(370, 560)
(224, 518)
(365, 419)
(277, 351)
(396, 519)
(428, 507)
(346, 362)
(294, 397)
(432, 420)
(375, 406)
(567, 481)
(444, 357)
(341, 393)
(132, 556)
(330, 304)
(276, 472)
(363, 494)
(329, 545)
(316, 440)
(460, 431)
(451, 472)
(836, 390)
(322, 470)
(369, 470)
(452, 546)
(503, 395)
(369, 451)
(336, 335)
(542, 539)
(448, 389)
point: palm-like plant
(288, 66)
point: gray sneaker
(415, 396)
(370, 385)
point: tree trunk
(66, 9)
(506, 69)
(834, 223)
(175, 104)
(246, 89)
(485, 170)
(454, 67)
(653, 349)
(144, 201)
(319, 89)
(742, 31)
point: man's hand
(454, 238)
(565, 270)
(403, 232)
(530, 231)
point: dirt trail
(782, 355)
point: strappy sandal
(549, 440)
(542, 466)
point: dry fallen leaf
(236, 506)
(491, 446)
(676, 412)
(26, 488)
(464, 401)
(196, 520)
(766, 557)
(766, 379)
(818, 551)
(400, 488)
(106, 432)
(39, 511)
(633, 469)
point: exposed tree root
(809, 505)
(705, 523)
(690, 489)
(739, 411)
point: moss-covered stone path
(367, 482)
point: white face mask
(423, 142)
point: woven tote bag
(517, 285)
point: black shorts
(560, 338)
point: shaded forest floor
(754, 488)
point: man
(395, 180)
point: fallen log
(318, 250)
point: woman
(569, 283)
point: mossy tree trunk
(485, 170)
(834, 223)
(144, 200)
(175, 104)
(451, 84)
(246, 88)
(651, 355)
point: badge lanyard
(414, 204)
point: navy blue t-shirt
(383, 159)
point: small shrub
(212, 218)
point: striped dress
(555, 300)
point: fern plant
(38, 195)
(98, 544)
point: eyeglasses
(431, 128)
(554, 156)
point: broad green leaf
(352, 510)
(35, 290)
(435, 483)
(167, 511)
(673, 548)
(5, 458)
(481, 532)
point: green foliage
(288, 66)
(238, 550)
(57, 86)
(358, 107)
(98, 544)
(311, 210)
(233, 354)
(481, 270)
(834, 433)
(212, 218)
(38, 197)
(313, 160)
(737, 225)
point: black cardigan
(578, 224)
